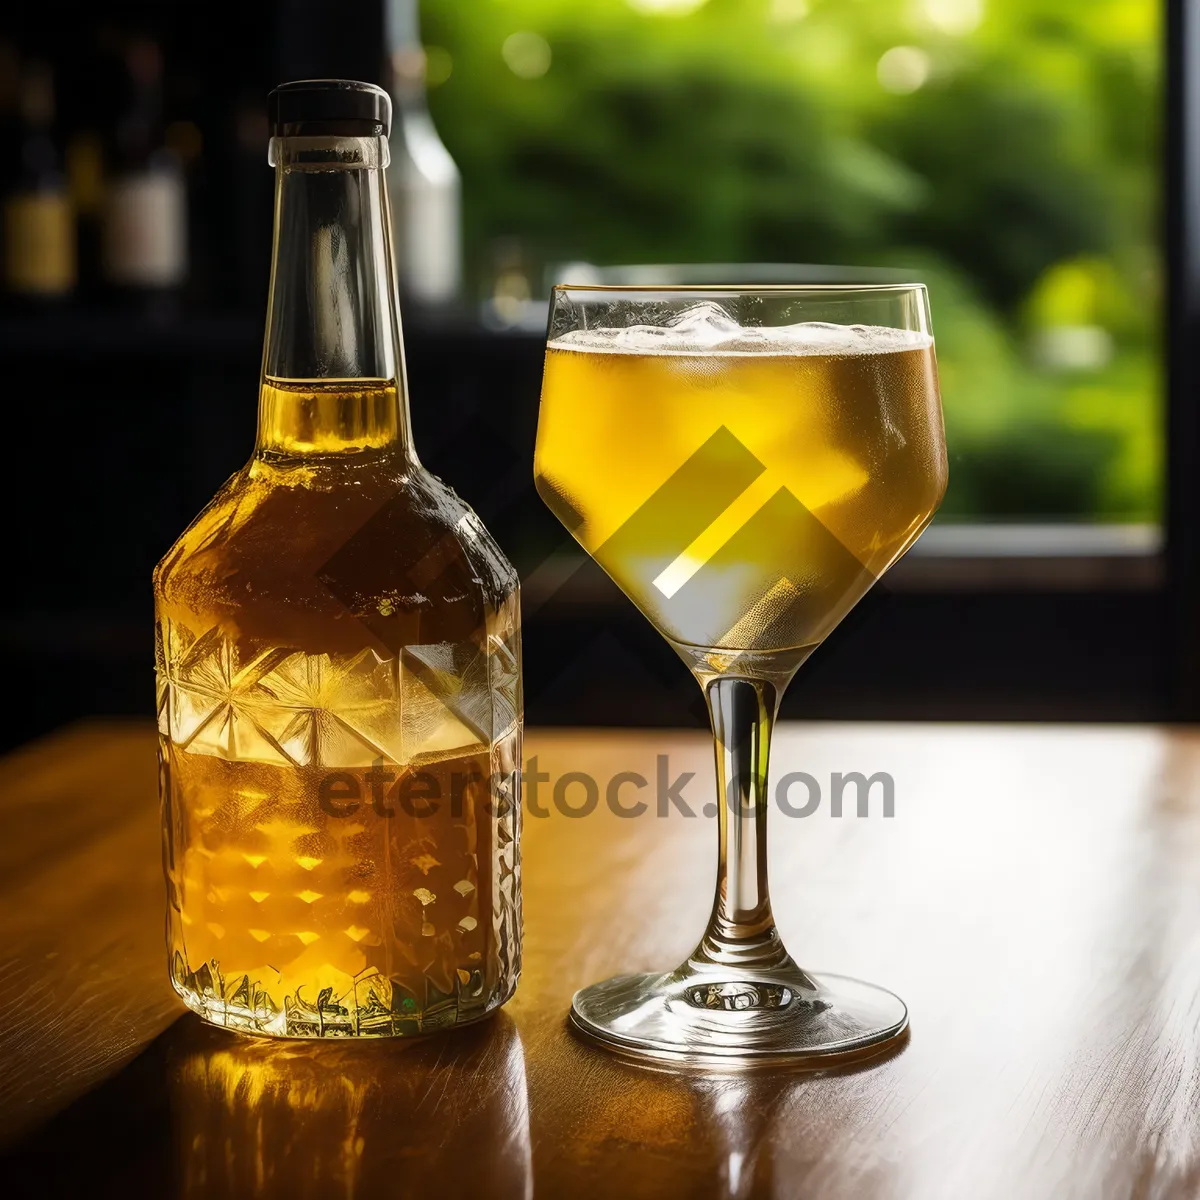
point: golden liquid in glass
(744, 500)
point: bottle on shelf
(423, 181)
(338, 659)
(84, 160)
(10, 125)
(144, 247)
(39, 230)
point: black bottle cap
(329, 108)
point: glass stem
(741, 931)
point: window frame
(1182, 255)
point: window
(1004, 151)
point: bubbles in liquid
(706, 328)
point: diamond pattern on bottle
(285, 919)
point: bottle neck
(333, 369)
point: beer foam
(706, 328)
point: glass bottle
(338, 652)
(144, 236)
(39, 229)
(423, 180)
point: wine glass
(744, 462)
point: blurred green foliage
(1007, 151)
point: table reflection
(689, 1132)
(297, 1119)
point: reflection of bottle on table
(289, 1119)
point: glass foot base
(714, 1017)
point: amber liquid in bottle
(338, 650)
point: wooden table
(1035, 899)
